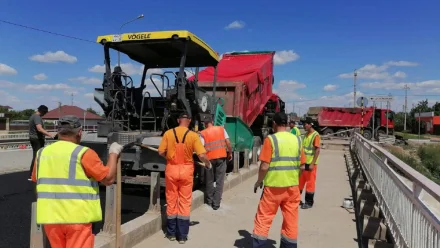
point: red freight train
(244, 81)
(333, 119)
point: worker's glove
(115, 148)
(256, 185)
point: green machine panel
(240, 134)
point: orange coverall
(76, 235)
(272, 198)
(308, 178)
(179, 178)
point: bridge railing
(399, 189)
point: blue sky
(391, 43)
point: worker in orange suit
(216, 141)
(311, 146)
(281, 159)
(177, 146)
(67, 177)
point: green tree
(27, 113)
(399, 120)
(436, 108)
(4, 110)
(92, 111)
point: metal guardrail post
(236, 162)
(154, 192)
(246, 159)
(254, 155)
(110, 210)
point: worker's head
(308, 124)
(279, 121)
(70, 129)
(42, 110)
(207, 120)
(292, 124)
(184, 119)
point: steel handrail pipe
(411, 221)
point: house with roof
(88, 120)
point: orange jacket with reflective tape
(215, 143)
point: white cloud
(40, 77)
(401, 63)
(71, 91)
(89, 95)
(423, 85)
(383, 85)
(290, 85)
(288, 90)
(285, 56)
(399, 74)
(97, 69)
(337, 100)
(375, 72)
(8, 98)
(46, 87)
(7, 70)
(7, 84)
(54, 57)
(86, 80)
(128, 68)
(236, 25)
(330, 87)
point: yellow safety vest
(309, 148)
(298, 133)
(285, 163)
(65, 195)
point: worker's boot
(308, 200)
(171, 238)
(182, 241)
(300, 195)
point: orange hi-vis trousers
(287, 199)
(179, 182)
(70, 235)
(308, 178)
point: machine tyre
(328, 131)
(367, 134)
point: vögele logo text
(138, 36)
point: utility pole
(354, 89)
(59, 111)
(406, 102)
(72, 98)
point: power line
(45, 31)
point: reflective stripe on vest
(309, 148)
(215, 143)
(65, 194)
(284, 166)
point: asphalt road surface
(17, 195)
